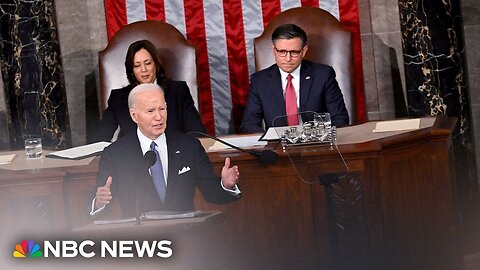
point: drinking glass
(33, 147)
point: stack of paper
(80, 152)
(6, 159)
(397, 125)
(240, 141)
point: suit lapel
(133, 148)
(173, 159)
(136, 160)
(306, 78)
(275, 82)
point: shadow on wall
(398, 94)
(92, 110)
(392, 100)
(4, 135)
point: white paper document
(6, 159)
(240, 141)
(272, 133)
(397, 125)
(80, 152)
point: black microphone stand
(137, 210)
(265, 156)
(149, 158)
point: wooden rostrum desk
(395, 210)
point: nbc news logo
(113, 249)
(27, 249)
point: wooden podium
(395, 208)
(148, 227)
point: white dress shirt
(162, 149)
(295, 82)
(296, 86)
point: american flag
(223, 32)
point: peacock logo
(27, 249)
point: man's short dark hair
(289, 31)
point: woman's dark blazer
(182, 115)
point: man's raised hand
(103, 195)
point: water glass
(33, 148)
(323, 119)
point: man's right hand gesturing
(103, 195)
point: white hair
(142, 88)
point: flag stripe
(288, 4)
(135, 10)
(350, 21)
(253, 24)
(195, 29)
(218, 58)
(155, 10)
(237, 59)
(175, 15)
(331, 7)
(269, 10)
(310, 3)
(115, 15)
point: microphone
(149, 158)
(265, 156)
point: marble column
(32, 73)
(436, 83)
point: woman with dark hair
(143, 65)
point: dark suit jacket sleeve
(109, 123)
(191, 117)
(334, 100)
(105, 170)
(207, 181)
(253, 115)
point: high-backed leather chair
(177, 56)
(328, 43)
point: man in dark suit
(292, 86)
(142, 65)
(184, 164)
(184, 116)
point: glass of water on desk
(33, 147)
(323, 120)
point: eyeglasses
(283, 53)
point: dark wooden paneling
(392, 209)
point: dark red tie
(291, 102)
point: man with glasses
(291, 86)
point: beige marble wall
(82, 33)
